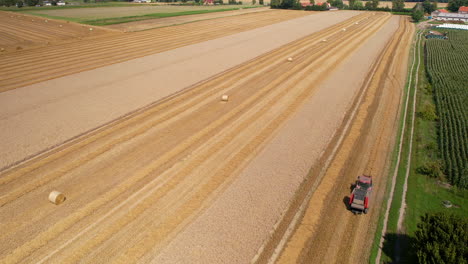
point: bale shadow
(403, 252)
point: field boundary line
(397, 165)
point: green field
(426, 192)
(446, 64)
(118, 12)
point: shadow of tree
(403, 252)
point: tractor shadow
(403, 252)
(346, 200)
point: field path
(135, 184)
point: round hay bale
(344, 29)
(224, 98)
(290, 59)
(60, 25)
(2, 49)
(90, 29)
(324, 40)
(56, 197)
(356, 23)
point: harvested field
(93, 53)
(169, 21)
(19, 31)
(136, 187)
(326, 231)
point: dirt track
(132, 186)
(26, 67)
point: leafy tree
(287, 4)
(454, 5)
(297, 5)
(260, 2)
(429, 7)
(322, 7)
(351, 3)
(336, 3)
(442, 238)
(358, 5)
(8, 3)
(312, 2)
(375, 4)
(368, 5)
(275, 3)
(398, 5)
(19, 4)
(254, 2)
(31, 2)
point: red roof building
(443, 11)
(463, 10)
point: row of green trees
(454, 5)
(21, 3)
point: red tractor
(359, 200)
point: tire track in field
(41, 239)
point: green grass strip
(34, 8)
(119, 20)
(392, 220)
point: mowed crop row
(20, 31)
(327, 231)
(132, 186)
(22, 68)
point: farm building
(437, 12)
(463, 10)
(443, 14)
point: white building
(452, 17)
(443, 14)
